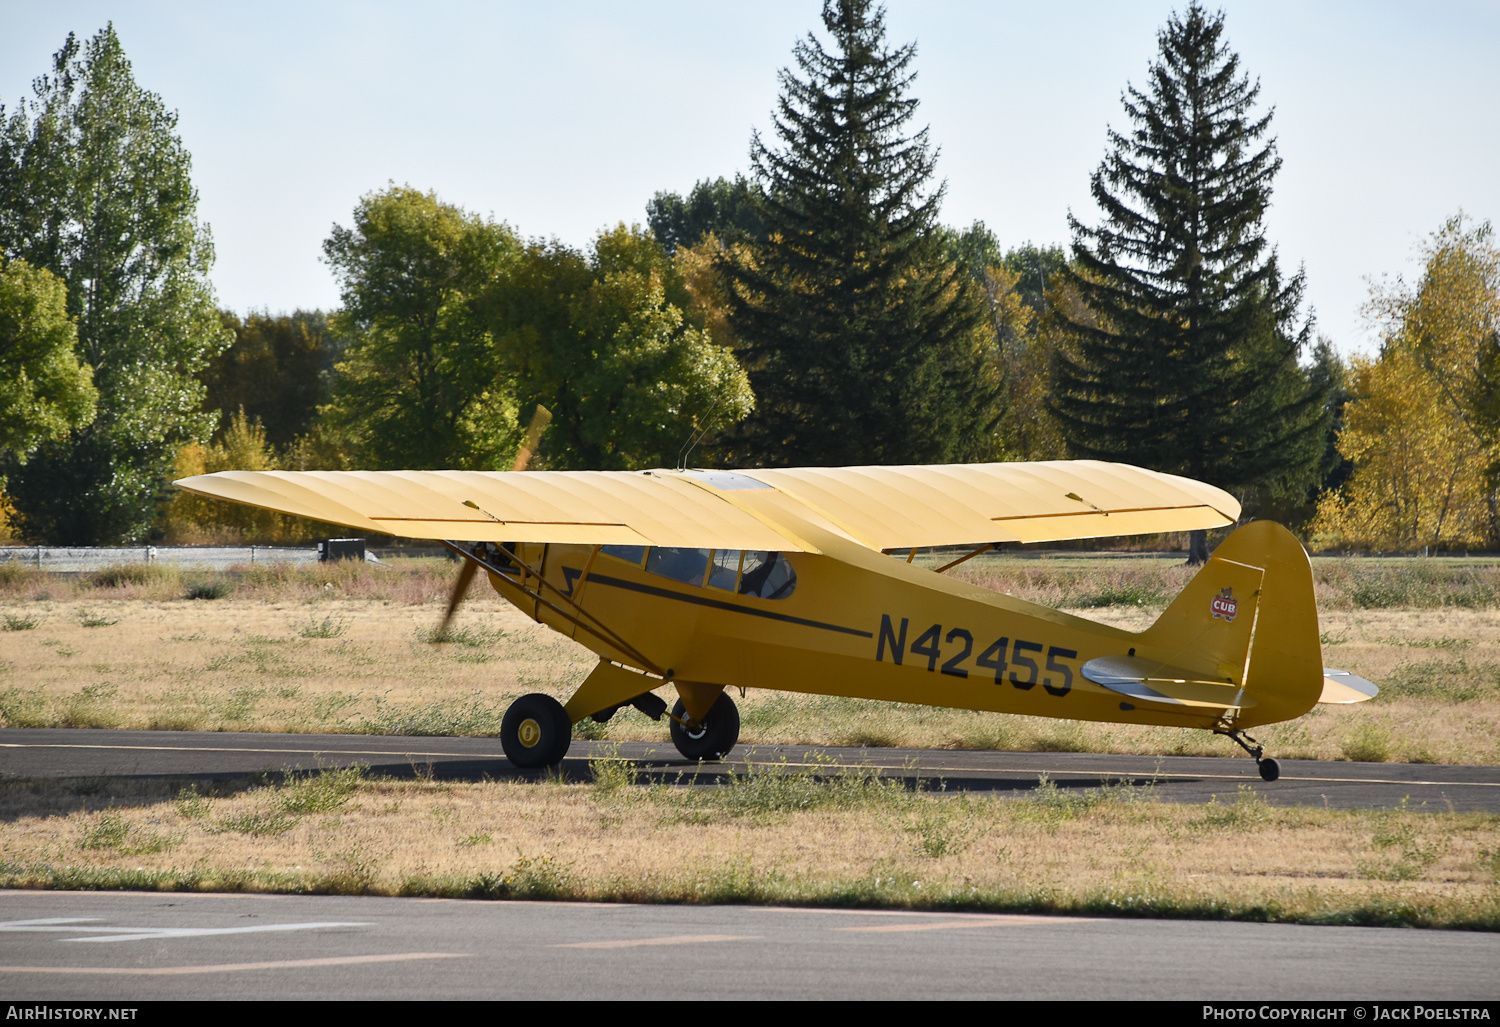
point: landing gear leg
(1269, 769)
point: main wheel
(1270, 770)
(535, 731)
(714, 737)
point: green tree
(862, 343)
(44, 391)
(96, 187)
(420, 385)
(1186, 359)
(727, 209)
(276, 370)
(602, 340)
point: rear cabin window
(767, 575)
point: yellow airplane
(804, 580)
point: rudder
(1249, 617)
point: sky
(566, 118)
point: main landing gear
(536, 730)
(1269, 769)
(713, 737)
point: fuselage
(855, 622)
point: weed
(473, 840)
(208, 590)
(470, 637)
(111, 832)
(90, 619)
(1248, 811)
(354, 871)
(121, 574)
(20, 623)
(89, 707)
(192, 805)
(1368, 743)
(610, 773)
(542, 877)
(1406, 859)
(240, 703)
(1456, 681)
(329, 627)
(258, 823)
(944, 826)
(322, 792)
(108, 832)
(771, 792)
(23, 709)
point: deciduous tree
(421, 385)
(96, 187)
(602, 340)
(44, 390)
(1422, 428)
(276, 370)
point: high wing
(881, 507)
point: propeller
(539, 422)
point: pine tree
(862, 344)
(1186, 358)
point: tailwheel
(535, 731)
(713, 737)
(1269, 769)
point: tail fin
(1248, 618)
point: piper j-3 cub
(785, 579)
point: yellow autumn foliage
(193, 519)
(1421, 428)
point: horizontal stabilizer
(1168, 686)
(1339, 686)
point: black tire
(718, 735)
(1270, 770)
(536, 731)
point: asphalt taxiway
(28, 752)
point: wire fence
(91, 558)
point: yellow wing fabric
(571, 507)
(882, 507)
(957, 504)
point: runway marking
(231, 748)
(950, 925)
(215, 968)
(676, 939)
(814, 765)
(75, 925)
(1121, 775)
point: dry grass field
(348, 648)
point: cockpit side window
(685, 565)
(767, 576)
(630, 554)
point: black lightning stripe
(717, 604)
